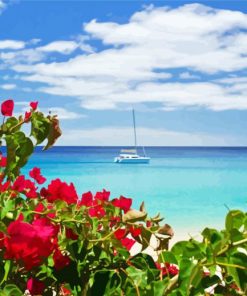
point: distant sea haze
(191, 187)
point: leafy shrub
(53, 241)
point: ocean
(191, 187)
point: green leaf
(105, 282)
(234, 219)
(168, 257)
(142, 261)
(19, 149)
(239, 274)
(40, 127)
(158, 288)
(11, 125)
(210, 281)
(3, 227)
(54, 132)
(7, 267)
(12, 290)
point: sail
(128, 150)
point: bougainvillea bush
(54, 241)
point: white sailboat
(130, 155)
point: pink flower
(120, 233)
(114, 220)
(30, 243)
(58, 190)
(36, 175)
(70, 234)
(103, 196)
(34, 105)
(87, 199)
(167, 268)
(96, 211)
(60, 260)
(2, 236)
(122, 203)
(3, 161)
(27, 116)
(135, 231)
(7, 108)
(35, 287)
(40, 208)
(128, 243)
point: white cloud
(64, 47)
(67, 47)
(27, 56)
(8, 86)
(119, 136)
(143, 51)
(63, 113)
(11, 44)
(188, 75)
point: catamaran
(130, 155)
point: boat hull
(132, 160)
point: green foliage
(101, 235)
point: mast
(134, 124)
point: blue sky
(181, 64)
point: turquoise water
(190, 187)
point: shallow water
(190, 187)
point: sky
(181, 65)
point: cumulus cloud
(11, 44)
(62, 113)
(28, 56)
(135, 66)
(64, 47)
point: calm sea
(191, 187)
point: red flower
(4, 186)
(34, 105)
(122, 203)
(7, 108)
(27, 116)
(35, 174)
(30, 243)
(87, 199)
(65, 292)
(40, 208)
(58, 190)
(135, 231)
(2, 236)
(3, 161)
(103, 196)
(25, 186)
(60, 260)
(70, 234)
(44, 192)
(30, 189)
(35, 287)
(96, 211)
(167, 268)
(128, 243)
(114, 220)
(19, 184)
(120, 233)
